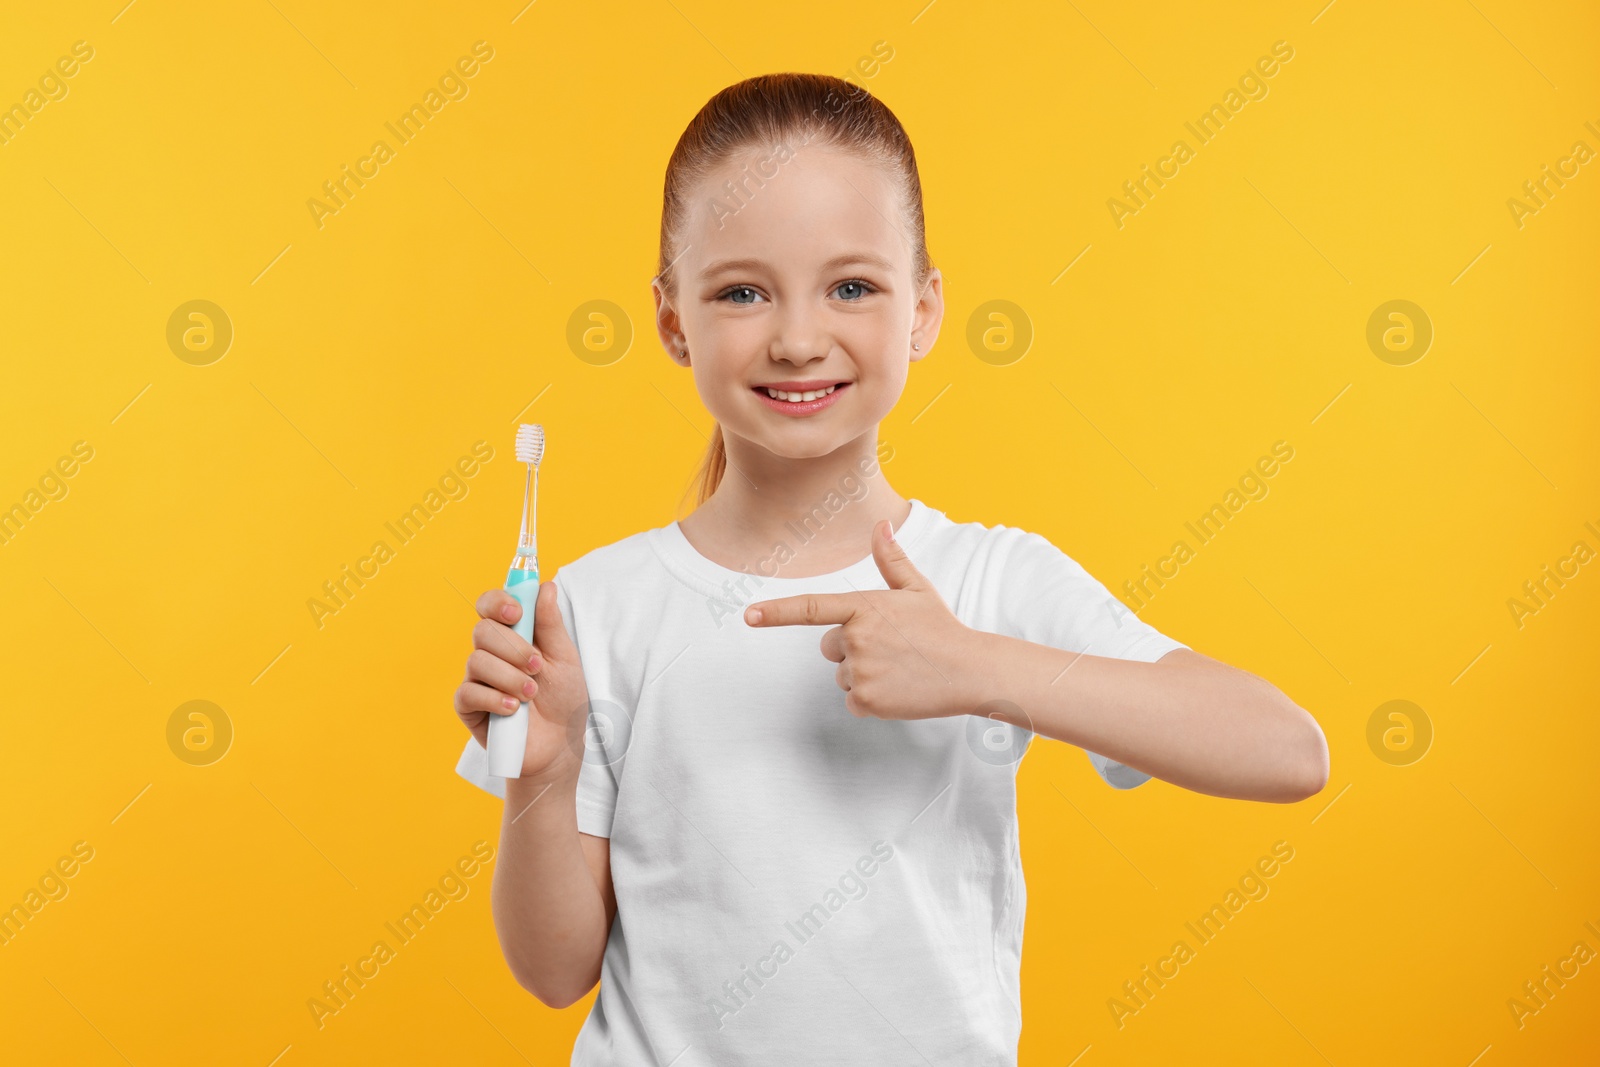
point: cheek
(881, 353)
(884, 388)
(719, 377)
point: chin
(810, 444)
(819, 452)
(792, 449)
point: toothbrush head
(530, 443)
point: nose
(800, 338)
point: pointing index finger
(808, 609)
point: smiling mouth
(795, 397)
(800, 402)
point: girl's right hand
(504, 670)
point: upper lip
(803, 387)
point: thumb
(893, 563)
(550, 635)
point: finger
(500, 640)
(833, 645)
(853, 705)
(473, 700)
(893, 563)
(809, 609)
(549, 628)
(476, 722)
(486, 668)
(842, 677)
(499, 605)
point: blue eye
(858, 284)
(739, 289)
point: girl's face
(803, 281)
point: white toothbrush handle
(508, 734)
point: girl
(768, 851)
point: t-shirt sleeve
(1049, 599)
(597, 777)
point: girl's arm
(552, 897)
(1187, 718)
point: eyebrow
(872, 259)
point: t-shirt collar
(685, 561)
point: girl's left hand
(902, 653)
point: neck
(823, 508)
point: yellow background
(432, 310)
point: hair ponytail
(712, 467)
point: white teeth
(797, 398)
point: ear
(669, 325)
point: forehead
(795, 215)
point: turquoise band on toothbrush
(524, 585)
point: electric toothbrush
(508, 734)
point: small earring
(915, 345)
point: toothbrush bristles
(530, 443)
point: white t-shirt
(795, 884)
